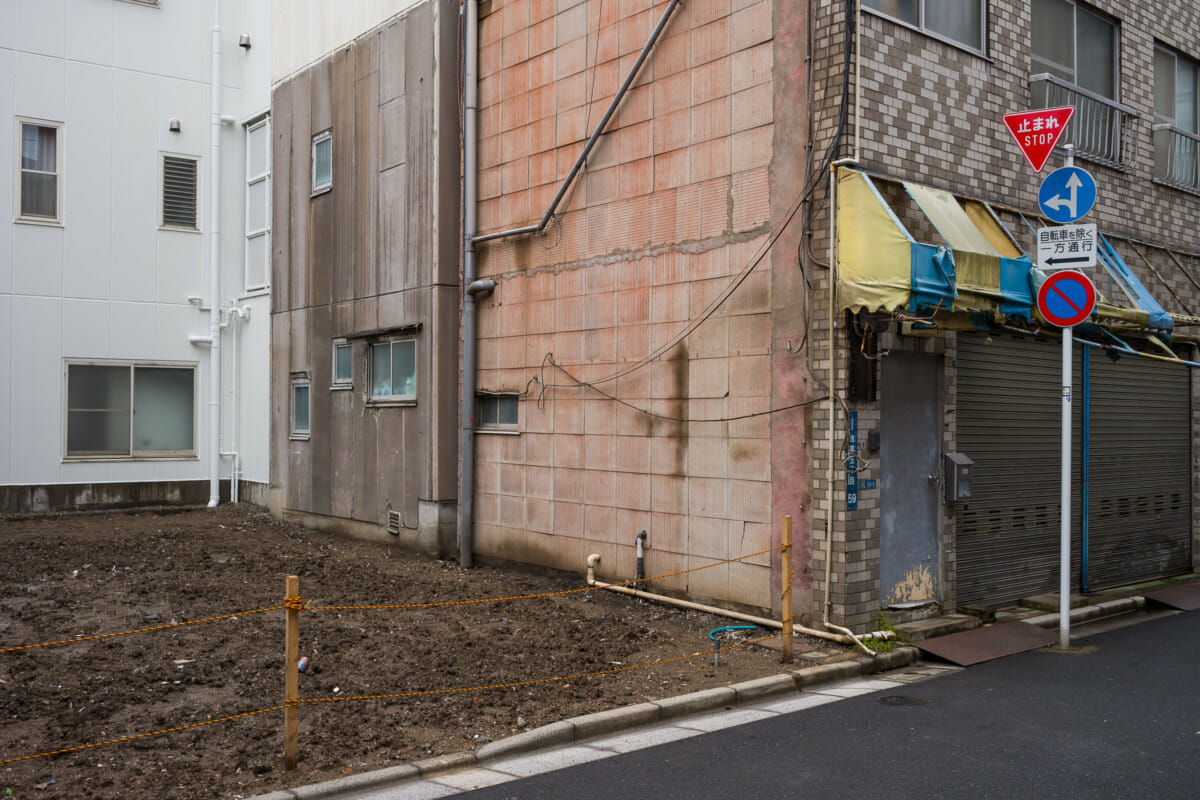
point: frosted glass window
(300, 409)
(906, 10)
(394, 370)
(163, 408)
(1075, 45)
(98, 410)
(1096, 47)
(130, 411)
(959, 21)
(258, 206)
(1164, 84)
(39, 171)
(1185, 94)
(497, 411)
(322, 162)
(343, 364)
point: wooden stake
(291, 691)
(786, 554)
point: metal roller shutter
(1139, 509)
(1009, 421)
(1139, 460)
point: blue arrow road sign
(1067, 194)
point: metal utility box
(959, 471)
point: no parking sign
(1066, 298)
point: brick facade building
(633, 336)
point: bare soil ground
(82, 575)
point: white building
(110, 212)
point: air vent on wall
(393, 522)
(179, 192)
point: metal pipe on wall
(466, 498)
(214, 266)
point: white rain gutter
(844, 637)
(214, 278)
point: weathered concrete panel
(366, 170)
(345, 155)
(392, 61)
(393, 133)
(297, 176)
(321, 373)
(281, 196)
(359, 261)
(321, 98)
(393, 267)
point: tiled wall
(932, 112)
(670, 211)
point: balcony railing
(1102, 130)
(1176, 157)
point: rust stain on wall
(681, 370)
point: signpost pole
(1064, 578)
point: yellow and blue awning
(976, 267)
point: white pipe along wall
(846, 637)
(214, 278)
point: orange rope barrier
(533, 682)
(141, 735)
(535, 596)
(139, 630)
(382, 697)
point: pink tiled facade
(672, 210)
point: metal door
(910, 505)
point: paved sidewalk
(378, 786)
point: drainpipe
(843, 636)
(466, 497)
(214, 278)
(241, 313)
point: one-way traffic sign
(1067, 247)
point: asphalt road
(1120, 722)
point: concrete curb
(1108, 608)
(579, 729)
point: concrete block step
(930, 627)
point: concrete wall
(672, 210)
(107, 283)
(931, 112)
(376, 254)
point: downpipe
(845, 637)
(214, 266)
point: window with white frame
(126, 410)
(258, 205)
(1176, 118)
(394, 370)
(300, 408)
(1075, 44)
(496, 412)
(322, 162)
(180, 192)
(40, 166)
(962, 22)
(343, 364)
